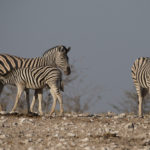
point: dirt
(73, 131)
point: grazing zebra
(56, 57)
(36, 78)
(141, 78)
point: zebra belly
(35, 86)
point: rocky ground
(73, 131)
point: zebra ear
(69, 48)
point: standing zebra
(36, 78)
(56, 57)
(141, 78)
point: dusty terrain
(73, 131)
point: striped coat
(36, 78)
(56, 57)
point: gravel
(107, 131)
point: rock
(87, 148)
(39, 140)
(22, 120)
(146, 142)
(30, 148)
(28, 135)
(129, 126)
(71, 135)
(122, 115)
(85, 140)
(30, 140)
(105, 148)
(56, 135)
(73, 144)
(84, 115)
(64, 118)
(15, 124)
(3, 112)
(2, 136)
(68, 115)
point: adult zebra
(141, 77)
(36, 78)
(56, 57)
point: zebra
(36, 78)
(140, 72)
(56, 57)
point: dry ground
(73, 131)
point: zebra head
(58, 55)
(62, 60)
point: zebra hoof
(13, 113)
(61, 114)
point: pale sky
(106, 36)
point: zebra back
(56, 57)
(10, 62)
(33, 78)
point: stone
(71, 135)
(30, 148)
(2, 136)
(22, 120)
(122, 115)
(129, 126)
(85, 140)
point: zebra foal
(56, 57)
(36, 78)
(140, 72)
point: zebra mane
(49, 50)
(55, 49)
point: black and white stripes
(141, 77)
(36, 78)
(56, 57)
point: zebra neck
(49, 60)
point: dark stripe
(29, 79)
(43, 78)
(1, 72)
(23, 74)
(33, 78)
(8, 62)
(52, 76)
(30, 62)
(25, 64)
(15, 61)
(3, 66)
(40, 74)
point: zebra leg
(140, 106)
(33, 101)
(54, 101)
(27, 100)
(59, 96)
(143, 92)
(40, 97)
(19, 92)
(140, 99)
